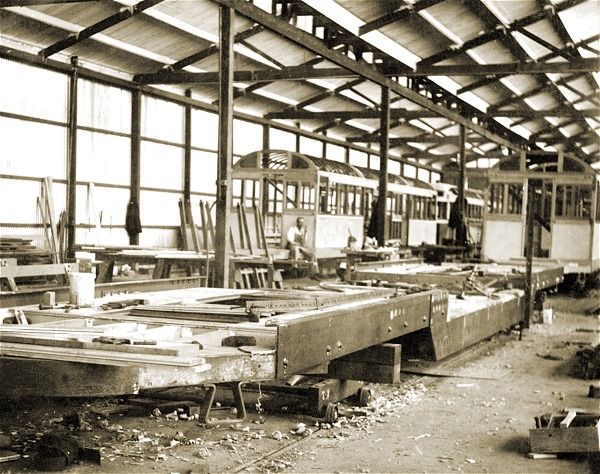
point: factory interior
(330, 236)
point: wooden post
(226, 65)
(384, 145)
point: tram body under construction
(566, 211)
(335, 199)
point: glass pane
(103, 158)
(204, 172)
(359, 158)
(162, 120)
(281, 140)
(247, 137)
(44, 156)
(161, 166)
(34, 92)
(103, 107)
(205, 129)
(335, 152)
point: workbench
(162, 260)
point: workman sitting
(296, 243)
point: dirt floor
(473, 415)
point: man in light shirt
(296, 243)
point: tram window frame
(501, 201)
(573, 201)
(442, 210)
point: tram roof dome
(284, 159)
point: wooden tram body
(334, 198)
(566, 224)
(446, 197)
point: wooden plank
(49, 194)
(260, 229)
(183, 225)
(209, 222)
(24, 377)
(192, 225)
(21, 271)
(204, 221)
(96, 356)
(568, 419)
(165, 349)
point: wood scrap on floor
(570, 432)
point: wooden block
(387, 354)
(366, 372)
(580, 434)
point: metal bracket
(209, 399)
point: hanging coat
(133, 224)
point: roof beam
(373, 113)
(365, 70)
(563, 67)
(402, 13)
(260, 75)
(547, 57)
(495, 34)
(33, 3)
(102, 25)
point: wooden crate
(570, 432)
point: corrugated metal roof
(502, 55)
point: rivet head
(285, 362)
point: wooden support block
(377, 364)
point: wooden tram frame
(334, 198)
(565, 232)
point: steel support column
(384, 143)
(136, 120)
(462, 231)
(187, 152)
(71, 203)
(226, 66)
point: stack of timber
(23, 251)
(54, 230)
